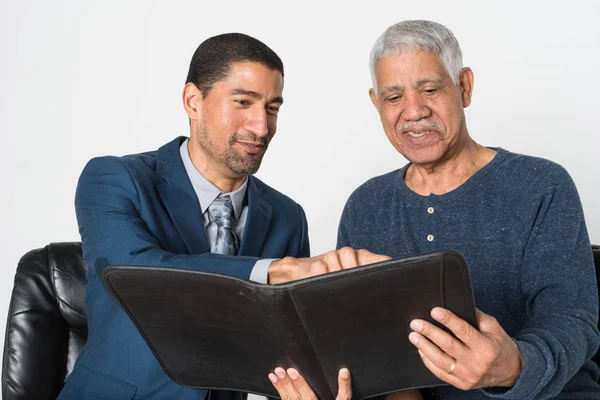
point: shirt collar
(205, 190)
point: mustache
(422, 122)
(248, 137)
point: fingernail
(438, 314)
(292, 373)
(416, 325)
(273, 378)
(345, 373)
(421, 354)
(280, 373)
(414, 338)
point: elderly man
(517, 219)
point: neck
(219, 175)
(442, 177)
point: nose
(257, 122)
(415, 107)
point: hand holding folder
(216, 331)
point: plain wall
(80, 79)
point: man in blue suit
(192, 204)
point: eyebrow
(256, 95)
(419, 83)
(393, 88)
(429, 80)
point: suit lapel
(257, 222)
(179, 198)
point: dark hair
(213, 58)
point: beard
(237, 161)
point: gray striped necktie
(221, 214)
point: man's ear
(192, 101)
(374, 99)
(466, 83)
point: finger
(440, 338)
(442, 374)
(433, 353)
(365, 257)
(488, 324)
(318, 257)
(318, 268)
(283, 384)
(277, 385)
(348, 257)
(332, 261)
(466, 333)
(301, 385)
(344, 385)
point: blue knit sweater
(520, 225)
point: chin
(423, 157)
(418, 159)
(246, 168)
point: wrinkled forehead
(409, 68)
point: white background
(80, 79)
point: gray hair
(408, 36)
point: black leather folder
(217, 331)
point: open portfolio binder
(220, 332)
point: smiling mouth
(252, 147)
(416, 134)
(251, 144)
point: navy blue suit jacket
(141, 209)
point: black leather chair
(47, 326)
(47, 323)
(596, 251)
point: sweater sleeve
(342, 236)
(559, 285)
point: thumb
(344, 385)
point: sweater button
(430, 238)
(430, 210)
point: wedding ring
(452, 368)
